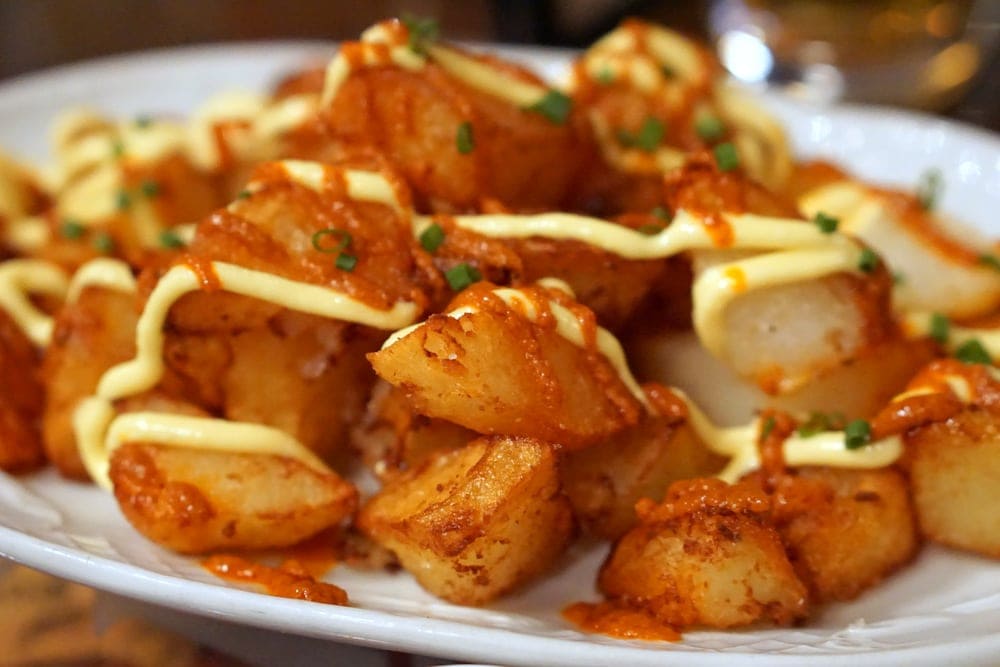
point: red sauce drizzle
(618, 620)
(290, 579)
(203, 268)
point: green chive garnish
(726, 156)
(170, 239)
(929, 189)
(103, 243)
(142, 122)
(826, 223)
(991, 261)
(898, 278)
(117, 148)
(820, 422)
(555, 106)
(123, 200)
(709, 127)
(244, 194)
(423, 32)
(668, 71)
(346, 262)
(662, 213)
(650, 134)
(464, 141)
(343, 240)
(606, 76)
(149, 188)
(432, 237)
(461, 276)
(973, 352)
(857, 434)
(939, 327)
(766, 428)
(868, 261)
(71, 229)
(650, 230)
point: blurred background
(938, 55)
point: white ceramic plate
(943, 609)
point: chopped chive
(726, 156)
(170, 239)
(929, 188)
(117, 148)
(868, 261)
(149, 188)
(103, 243)
(346, 262)
(939, 327)
(898, 278)
(423, 32)
(343, 240)
(648, 137)
(555, 106)
(432, 237)
(461, 276)
(123, 200)
(71, 229)
(244, 194)
(991, 261)
(709, 127)
(973, 352)
(662, 213)
(766, 428)
(857, 434)
(820, 422)
(464, 140)
(826, 223)
(606, 76)
(650, 230)
(668, 71)
(143, 121)
(650, 134)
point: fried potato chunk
(391, 438)
(845, 530)
(858, 389)
(20, 399)
(495, 371)
(708, 557)
(954, 467)
(604, 482)
(475, 523)
(413, 118)
(91, 335)
(195, 501)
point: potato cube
(503, 374)
(477, 522)
(954, 471)
(707, 556)
(196, 501)
(605, 481)
(845, 530)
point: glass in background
(918, 53)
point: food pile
(616, 309)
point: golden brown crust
(196, 501)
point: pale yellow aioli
(739, 444)
(20, 278)
(472, 72)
